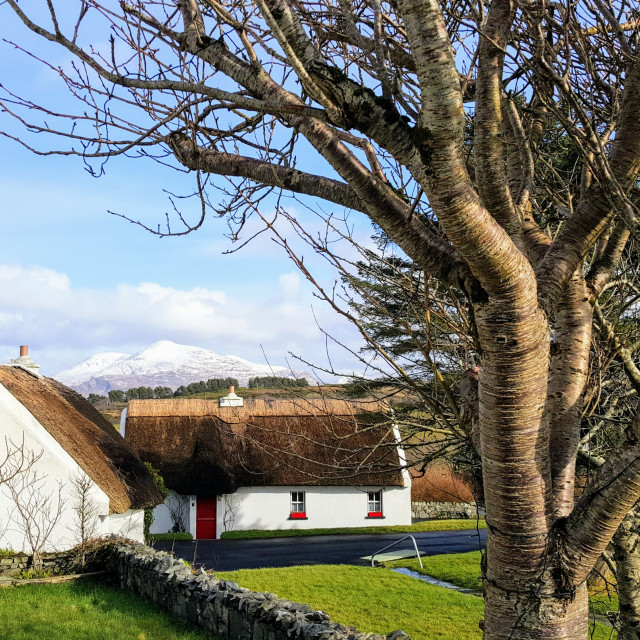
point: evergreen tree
(115, 395)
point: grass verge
(177, 537)
(419, 527)
(85, 611)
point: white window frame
(298, 502)
(374, 503)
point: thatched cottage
(270, 464)
(57, 439)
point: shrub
(439, 483)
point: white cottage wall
(57, 467)
(162, 521)
(326, 507)
(129, 524)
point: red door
(206, 517)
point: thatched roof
(200, 447)
(86, 436)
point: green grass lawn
(373, 600)
(427, 525)
(462, 569)
(379, 600)
(85, 611)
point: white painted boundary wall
(57, 468)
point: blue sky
(75, 280)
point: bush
(439, 483)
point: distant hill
(164, 364)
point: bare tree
(231, 505)
(17, 459)
(37, 510)
(178, 511)
(85, 526)
(427, 118)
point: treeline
(213, 384)
(203, 386)
(149, 393)
(275, 382)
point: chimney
(24, 361)
(231, 400)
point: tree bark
(516, 472)
(626, 547)
(535, 613)
(567, 381)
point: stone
(398, 634)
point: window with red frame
(374, 504)
(298, 506)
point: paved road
(229, 555)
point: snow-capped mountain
(164, 364)
(93, 365)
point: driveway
(229, 555)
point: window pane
(297, 502)
(374, 502)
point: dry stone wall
(442, 510)
(13, 565)
(63, 563)
(221, 606)
(53, 563)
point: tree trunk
(535, 614)
(627, 557)
(520, 594)
(36, 561)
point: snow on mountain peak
(92, 366)
(164, 363)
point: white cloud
(32, 279)
(64, 324)
(290, 284)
